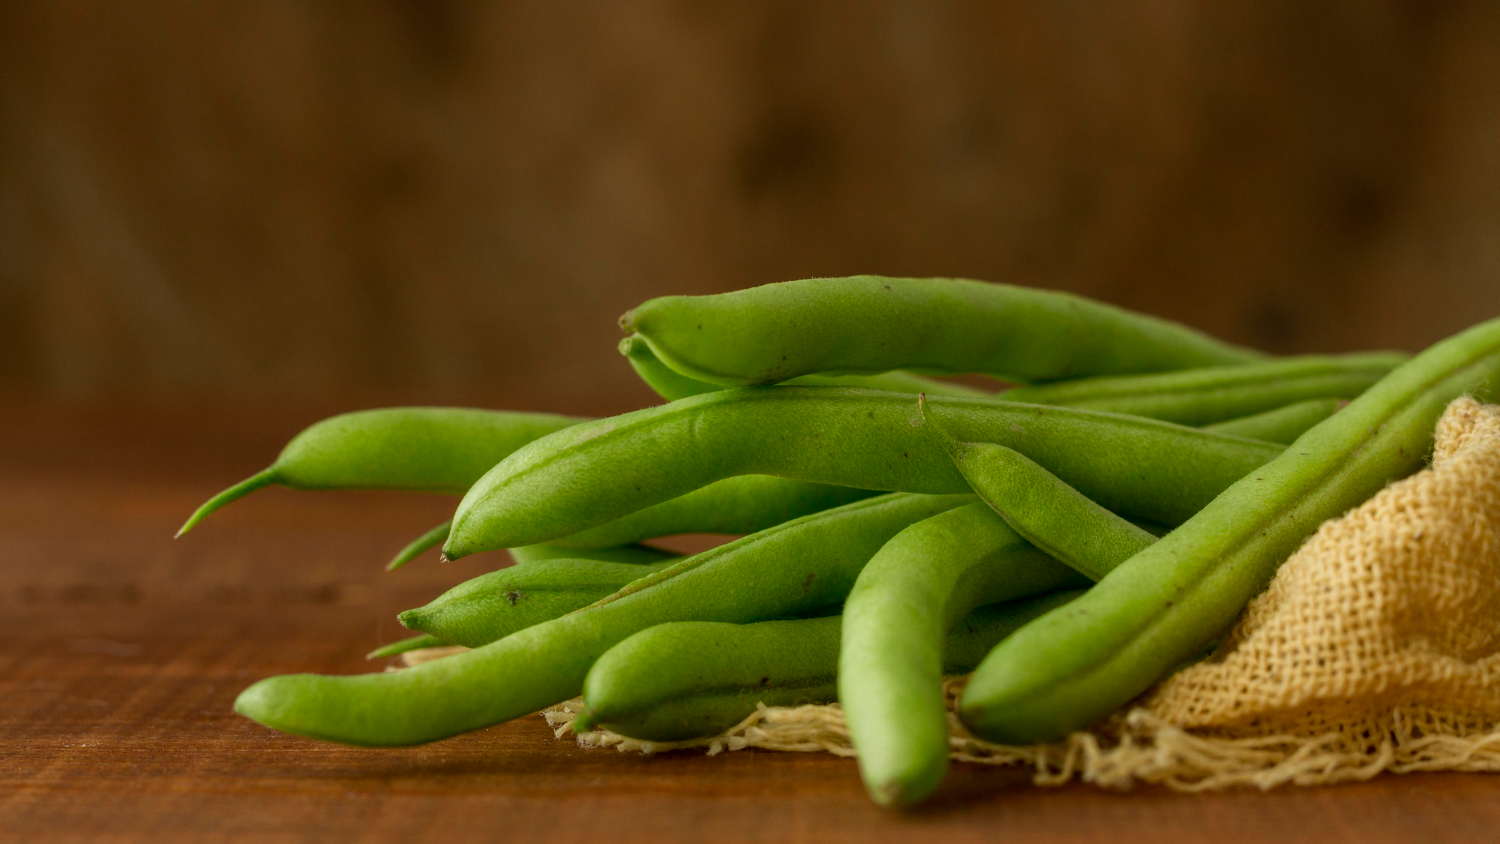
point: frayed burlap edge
(1136, 747)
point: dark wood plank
(124, 650)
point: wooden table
(124, 649)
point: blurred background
(420, 196)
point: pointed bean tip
(260, 479)
(419, 546)
(454, 549)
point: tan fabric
(1376, 648)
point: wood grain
(123, 651)
(420, 192)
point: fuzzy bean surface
(1204, 396)
(868, 439)
(895, 623)
(691, 679)
(866, 324)
(1076, 665)
(793, 568)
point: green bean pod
(627, 552)
(739, 505)
(1043, 510)
(422, 449)
(1073, 666)
(896, 621)
(867, 439)
(495, 605)
(1282, 425)
(866, 324)
(413, 643)
(419, 546)
(792, 568)
(672, 385)
(1204, 396)
(635, 555)
(692, 679)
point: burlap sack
(1376, 648)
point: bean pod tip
(256, 481)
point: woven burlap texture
(1376, 648)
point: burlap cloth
(1376, 648)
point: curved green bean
(896, 621)
(863, 324)
(495, 605)
(691, 679)
(786, 570)
(422, 449)
(1204, 396)
(1282, 425)
(869, 439)
(672, 385)
(1073, 666)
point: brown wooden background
(290, 196)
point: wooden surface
(124, 649)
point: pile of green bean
(1071, 540)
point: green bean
(662, 379)
(1162, 606)
(423, 449)
(417, 547)
(691, 679)
(1041, 508)
(634, 555)
(495, 605)
(732, 506)
(1204, 396)
(625, 552)
(792, 568)
(934, 571)
(414, 643)
(1282, 425)
(864, 324)
(671, 385)
(738, 505)
(869, 439)
(749, 503)
(896, 620)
